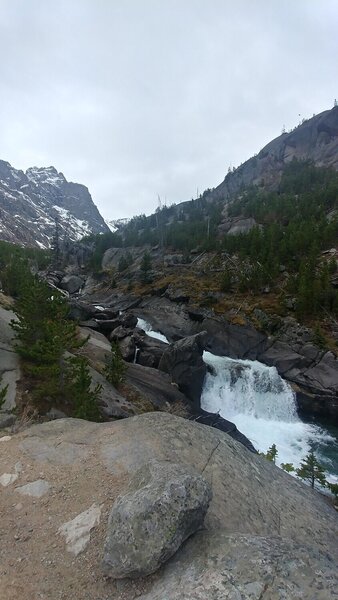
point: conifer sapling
(311, 470)
(115, 367)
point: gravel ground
(34, 561)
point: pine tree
(115, 367)
(15, 275)
(333, 487)
(325, 286)
(311, 470)
(272, 453)
(43, 334)
(83, 396)
(304, 305)
(145, 267)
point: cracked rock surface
(266, 536)
(246, 567)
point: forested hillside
(281, 249)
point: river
(263, 407)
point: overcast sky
(140, 98)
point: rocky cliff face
(30, 202)
(316, 139)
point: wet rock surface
(155, 387)
(287, 345)
(166, 316)
(183, 360)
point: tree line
(294, 224)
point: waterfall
(137, 352)
(249, 388)
(262, 405)
(142, 324)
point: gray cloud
(136, 98)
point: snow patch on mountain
(31, 202)
(117, 224)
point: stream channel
(263, 407)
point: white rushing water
(142, 324)
(263, 407)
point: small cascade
(263, 407)
(249, 388)
(137, 352)
(142, 324)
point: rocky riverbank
(290, 347)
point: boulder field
(265, 536)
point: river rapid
(263, 407)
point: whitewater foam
(263, 407)
(142, 324)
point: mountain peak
(30, 202)
(314, 139)
(49, 175)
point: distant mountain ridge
(315, 139)
(31, 201)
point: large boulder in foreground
(164, 505)
(266, 536)
(183, 361)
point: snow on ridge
(43, 175)
(79, 227)
(116, 224)
(64, 212)
(29, 206)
